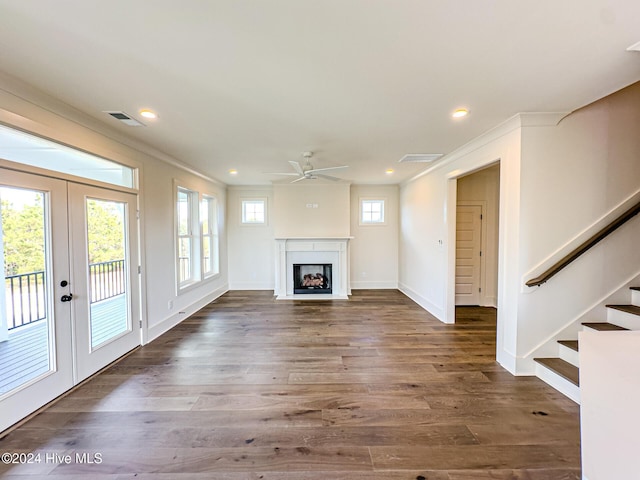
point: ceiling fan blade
(327, 177)
(327, 168)
(298, 179)
(296, 166)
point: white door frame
(65, 369)
(35, 393)
(89, 360)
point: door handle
(66, 298)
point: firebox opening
(312, 278)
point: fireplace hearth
(312, 278)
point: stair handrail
(566, 260)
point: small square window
(254, 212)
(371, 212)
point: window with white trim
(254, 211)
(210, 243)
(197, 238)
(372, 211)
(187, 244)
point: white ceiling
(250, 84)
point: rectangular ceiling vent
(126, 119)
(634, 48)
(420, 157)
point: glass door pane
(106, 240)
(35, 322)
(106, 289)
(25, 342)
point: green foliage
(105, 231)
(23, 237)
(23, 231)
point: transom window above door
(27, 149)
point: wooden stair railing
(555, 268)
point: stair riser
(635, 297)
(556, 381)
(569, 355)
(624, 319)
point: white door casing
(73, 355)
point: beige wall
(374, 248)
(310, 209)
(251, 247)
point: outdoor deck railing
(106, 280)
(26, 299)
(26, 294)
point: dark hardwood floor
(373, 388)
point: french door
(70, 295)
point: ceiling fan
(307, 172)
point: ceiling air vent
(126, 119)
(634, 48)
(420, 157)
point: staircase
(562, 372)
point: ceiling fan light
(460, 112)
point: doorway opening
(477, 227)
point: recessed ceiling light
(460, 112)
(146, 113)
(389, 171)
(233, 171)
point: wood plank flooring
(252, 388)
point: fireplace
(312, 278)
(330, 251)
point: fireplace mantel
(330, 250)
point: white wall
(159, 247)
(558, 184)
(311, 209)
(30, 110)
(374, 248)
(427, 230)
(576, 177)
(610, 393)
(483, 188)
(251, 247)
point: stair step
(572, 344)
(633, 309)
(604, 326)
(562, 368)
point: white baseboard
(366, 285)
(251, 286)
(167, 324)
(423, 302)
